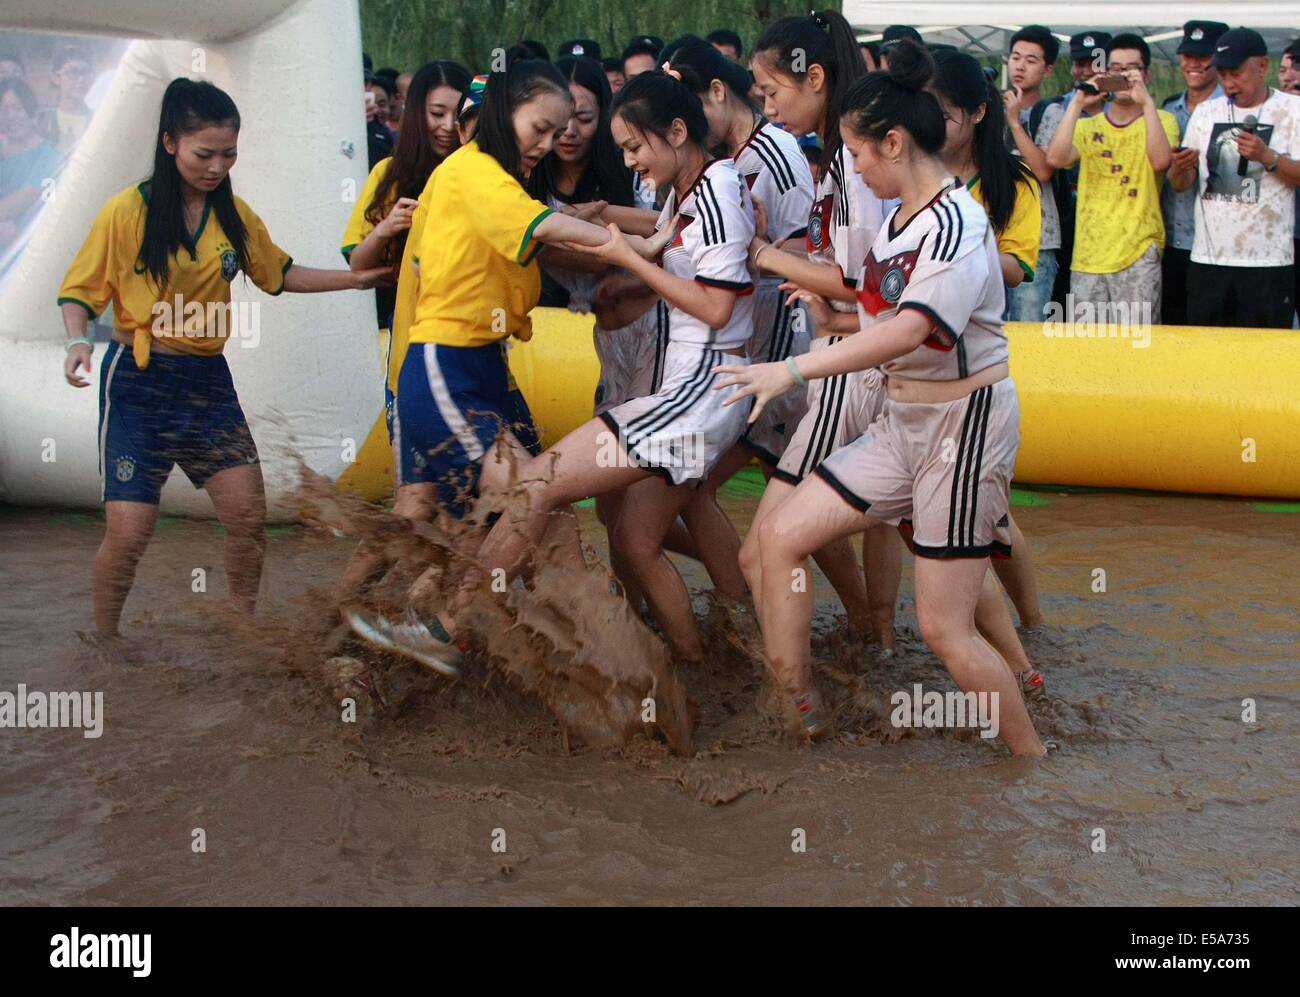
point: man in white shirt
(1242, 153)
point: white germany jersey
(943, 262)
(844, 220)
(777, 173)
(711, 246)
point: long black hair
(522, 80)
(414, 157)
(187, 106)
(960, 80)
(604, 177)
(651, 102)
(795, 44)
(897, 98)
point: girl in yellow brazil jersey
(381, 218)
(162, 252)
(469, 280)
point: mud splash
(567, 638)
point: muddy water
(233, 732)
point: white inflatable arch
(312, 385)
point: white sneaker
(409, 638)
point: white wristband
(81, 339)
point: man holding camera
(1122, 155)
(1242, 158)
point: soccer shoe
(409, 638)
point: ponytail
(795, 44)
(698, 64)
(960, 80)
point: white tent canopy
(996, 20)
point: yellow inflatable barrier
(1178, 409)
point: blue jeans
(1027, 302)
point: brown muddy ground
(214, 730)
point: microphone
(1248, 126)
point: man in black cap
(1244, 174)
(1195, 52)
(580, 46)
(641, 55)
(1088, 54)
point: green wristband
(793, 368)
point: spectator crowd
(1177, 207)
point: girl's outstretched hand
(762, 381)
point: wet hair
(522, 81)
(1040, 36)
(699, 64)
(1128, 40)
(897, 98)
(651, 102)
(413, 156)
(604, 177)
(22, 91)
(960, 80)
(824, 39)
(187, 106)
(725, 36)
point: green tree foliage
(406, 33)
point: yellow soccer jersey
(359, 226)
(1118, 213)
(192, 312)
(475, 252)
(1023, 231)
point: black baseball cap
(583, 46)
(1199, 37)
(897, 32)
(1236, 46)
(1085, 43)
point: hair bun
(910, 64)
